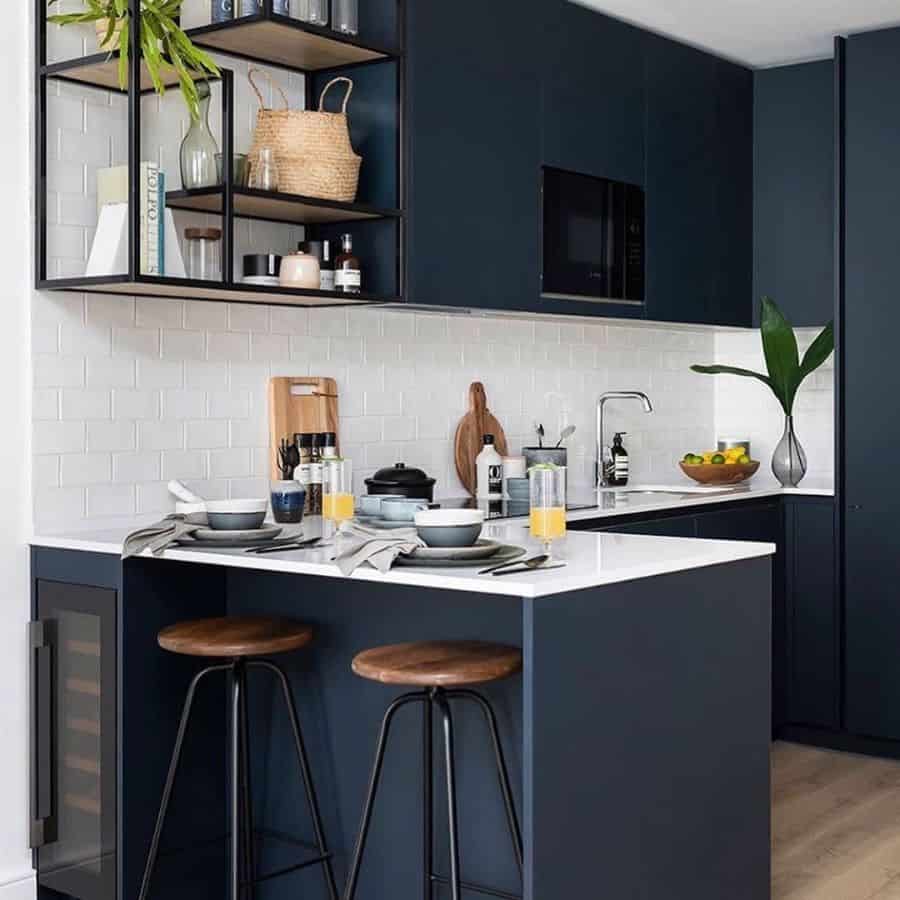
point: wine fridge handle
(43, 788)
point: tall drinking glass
(548, 504)
(337, 490)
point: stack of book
(160, 253)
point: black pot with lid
(403, 481)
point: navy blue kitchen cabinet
(473, 155)
(699, 183)
(532, 84)
(812, 615)
(872, 319)
(794, 191)
(677, 526)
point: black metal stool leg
(311, 800)
(237, 694)
(428, 798)
(502, 771)
(453, 827)
(353, 876)
(170, 777)
(247, 835)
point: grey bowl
(449, 535)
(402, 509)
(517, 488)
(232, 521)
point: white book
(174, 267)
(109, 252)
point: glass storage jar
(345, 16)
(203, 253)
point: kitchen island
(637, 734)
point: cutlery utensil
(540, 434)
(531, 563)
(520, 569)
(306, 545)
(565, 434)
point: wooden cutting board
(300, 405)
(470, 432)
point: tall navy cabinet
(794, 190)
(872, 319)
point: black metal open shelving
(268, 39)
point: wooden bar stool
(443, 669)
(241, 640)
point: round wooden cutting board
(470, 432)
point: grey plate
(482, 549)
(505, 553)
(378, 522)
(209, 537)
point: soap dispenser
(618, 475)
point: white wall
(16, 882)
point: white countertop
(593, 560)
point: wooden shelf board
(275, 207)
(285, 42)
(185, 289)
(102, 71)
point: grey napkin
(157, 538)
(377, 546)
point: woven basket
(312, 147)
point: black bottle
(618, 475)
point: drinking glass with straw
(337, 490)
(548, 504)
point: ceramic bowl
(370, 504)
(517, 488)
(236, 515)
(402, 509)
(720, 474)
(449, 527)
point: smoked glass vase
(789, 460)
(199, 148)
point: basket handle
(330, 84)
(271, 81)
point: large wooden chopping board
(469, 440)
(298, 406)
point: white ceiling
(756, 32)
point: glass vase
(199, 148)
(789, 460)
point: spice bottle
(314, 490)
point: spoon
(565, 434)
(532, 563)
(540, 434)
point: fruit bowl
(713, 473)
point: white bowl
(446, 518)
(236, 506)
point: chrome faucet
(601, 478)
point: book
(109, 252)
(112, 190)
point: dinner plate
(504, 553)
(209, 537)
(482, 549)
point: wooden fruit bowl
(720, 474)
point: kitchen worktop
(592, 560)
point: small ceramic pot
(555, 456)
(402, 509)
(370, 504)
(288, 498)
(300, 270)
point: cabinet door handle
(43, 787)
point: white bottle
(489, 471)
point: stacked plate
(233, 523)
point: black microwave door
(593, 238)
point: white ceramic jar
(300, 270)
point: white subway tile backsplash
(185, 464)
(109, 309)
(210, 434)
(130, 468)
(45, 404)
(85, 468)
(136, 404)
(85, 404)
(110, 500)
(162, 435)
(139, 342)
(206, 375)
(151, 312)
(58, 437)
(231, 463)
(185, 404)
(155, 373)
(183, 345)
(110, 436)
(229, 347)
(112, 372)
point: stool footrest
(477, 889)
(318, 860)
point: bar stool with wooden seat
(444, 670)
(242, 641)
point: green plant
(163, 43)
(786, 371)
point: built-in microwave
(593, 238)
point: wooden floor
(835, 826)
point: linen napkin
(157, 538)
(377, 546)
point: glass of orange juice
(337, 490)
(548, 504)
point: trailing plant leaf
(163, 45)
(785, 370)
